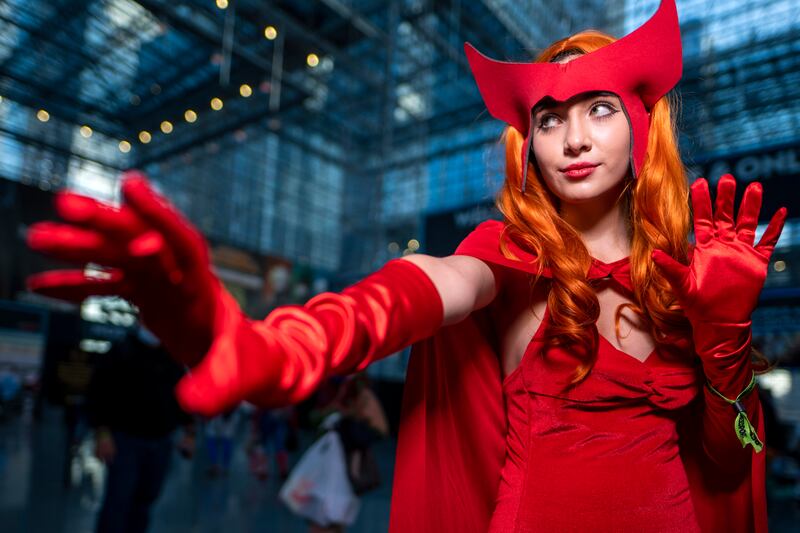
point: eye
(609, 107)
(543, 122)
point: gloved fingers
(701, 210)
(723, 209)
(187, 244)
(151, 256)
(76, 285)
(747, 220)
(118, 223)
(74, 244)
(771, 235)
(678, 275)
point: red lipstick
(580, 169)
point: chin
(578, 200)
(586, 190)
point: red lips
(579, 165)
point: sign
(444, 231)
(778, 170)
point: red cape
(451, 445)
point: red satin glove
(283, 358)
(157, 260)
(719, 289)
(160, 262)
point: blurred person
(270, 431)
(133, 411)
(362, 424)
(220, 433)
(10, 390)
(580, 354)
(348, 407)
(75, 374)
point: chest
(519, 311)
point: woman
(556, 382)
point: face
(588, 128)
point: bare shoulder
(465, 283)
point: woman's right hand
(153, 257)
(160, 262)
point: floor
(33, 496)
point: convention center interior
(247, 281)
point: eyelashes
(542, 127)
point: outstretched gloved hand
(160, 262)
(727, 272)
(719, 289)
(155, 259)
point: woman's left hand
(724, 278)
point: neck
(601, 223)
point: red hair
(657, 205)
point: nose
(577, 138)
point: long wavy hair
(657, 208)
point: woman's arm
(160, 262)
(464, 283)
(718, 292)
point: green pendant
(746, 432)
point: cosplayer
(577, 366)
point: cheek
(615, 141)
(548, 151)
(543, 149)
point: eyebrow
(549, 103)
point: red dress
(608, 447)
(623, 451)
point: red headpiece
(640, 68)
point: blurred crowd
(125, 431)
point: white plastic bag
(318, 487)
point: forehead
(550, 103)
